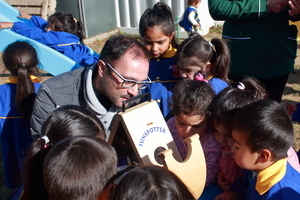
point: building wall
(98, 16)
(130, 12)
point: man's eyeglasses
(128, 83)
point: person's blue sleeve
(37, 34)
(38, 22)
(296, 114)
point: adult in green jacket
(262, 42)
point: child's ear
(265, 156)
(172, 35)
(207, 67)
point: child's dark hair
(78, 168)
(231, 99)
(151, 182)
(192, 97)
(63, 21)
(190, 2)
(265, 125)
(160, 15)
(21, 60)
(196, 51)
(65, 121)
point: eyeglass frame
(134, 82)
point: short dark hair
(117, 45)
(266, 125)
(151, 182)
(79, 168)
(231, 99)
(192, 97)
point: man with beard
(119, 75)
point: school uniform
(164, 73)
(15, 135)
(278, 181)
(63, 42)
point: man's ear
(101, 68)
(265, 156)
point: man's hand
(277, 5)
(24, 15)
(294, 7)
(6, 25)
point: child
(65, 121)
(262, 133)
(16, 103)
(191, 100)
(190, 20)
(61, 32)
(151, 182)
(223, 108)
(78, 168)
(157, 31)
(203, 60)
(294, 111)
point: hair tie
(21, 65)
(45, 137)
(75, 20)
(212, 46)
(200, 77)
(241, 86)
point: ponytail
(33, 180)
(254, 88)
(63, 21)
(221, 60)
(20, 58)
(79, 31)
(25, 93)
(196, 51)
(231, 99)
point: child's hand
(24, 15)
(228, 195)
(6, 25)
(222, 182)
(290, 109)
